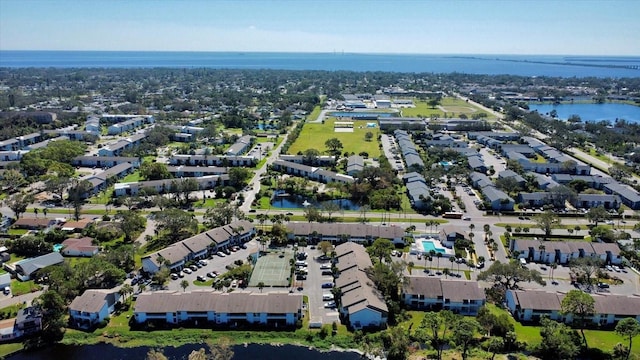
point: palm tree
(452, 260)
(541, 248)
(410, 266)
(35, 211)
(553, 266)
(125, 290)
(45, 211)
(184, 284)
(439, 255)
(446, 272)
(142, 287)
(260, 286)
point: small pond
(300, 202)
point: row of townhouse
(562, 252)
(428, 293)
(103, 179)
(498, 200)
(92, 125)
(532, 305)
(70, 133)
(127, 125)
(12, 155)
(322, 160)
(444, 141)
(344, 232)
(212, 160)
(164, 186)
(117, 118)
(498, 135)
(199, 246)
(401, 123)
(361, 304)
(311, 173)
(20, 142)
(208, 307)
(417, 190)
(196, 171)
(104, 161)
(409, 151)
(240, 146)
(118, 147)
(581, 201)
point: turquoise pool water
(57, 247)
(428, 245)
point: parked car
(221, 254)
(330, 305)
(211, 274)
(201, 278)
(327, 297)
(327, 272)
(174, 276)
(327, 285)
(301, 277)
(243, 246)
(187, 271)
(181, 274)
(193, 267)
(603, 285)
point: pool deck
(418, 248)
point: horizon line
(315, 52)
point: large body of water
(250, 352)
(530, 65)
(592, 112)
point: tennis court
(272, 269)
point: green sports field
(314, 135)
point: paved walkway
(8, 300)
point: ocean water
(592, 112)
(559, 66)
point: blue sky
(580, 27)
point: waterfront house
(92, 307)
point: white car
(221, 254)
(330, 305)
(327, 297)
(187, 271)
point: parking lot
(215, 263)
(562, 280)
(391, 152)
(313, 288)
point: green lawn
(601, 339)
(103, 197)
(133, 177)
(313, 136)
(18, 232)
(453, 106)
(8, 349)
(23, 287)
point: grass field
(313, 136)
(23, 287)
(453, 106)
(133, 177)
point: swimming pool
(428, 245)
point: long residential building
(199, 246)
(169, 185)
(215, 308)
(343, 232)
(532, 305)
(427, 293)
(562, 252)
(361, 304)
(311, 173)
(212, 160)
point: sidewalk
(8, 300)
